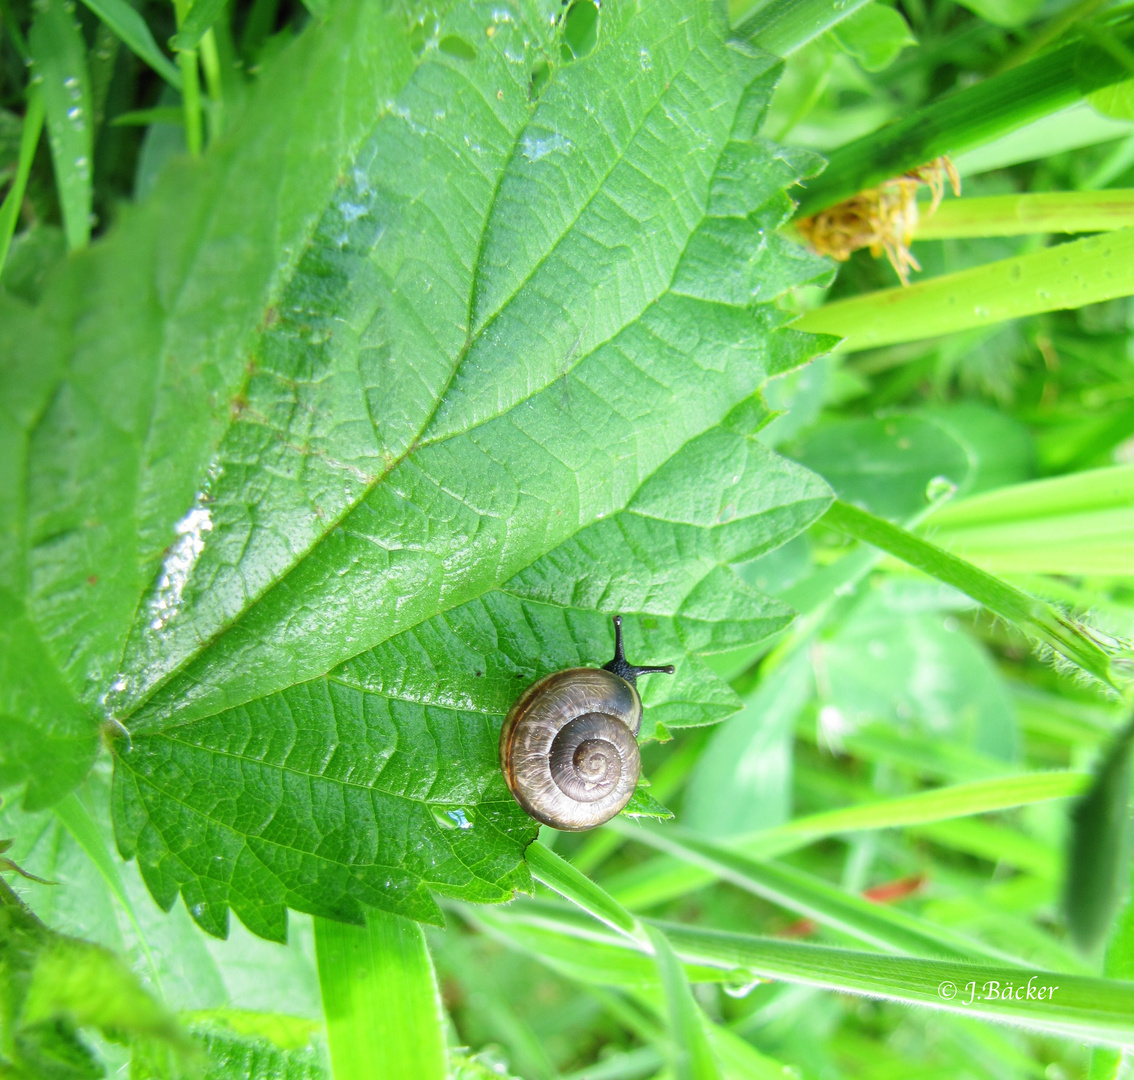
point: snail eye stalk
(621, 668)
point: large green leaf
(51, 986)
(379, 412)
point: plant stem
(190, 86)
(380, 1000)
(210, 63)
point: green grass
(357, 364)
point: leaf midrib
(417, 443)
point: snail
(569, 746)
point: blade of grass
(1094, 1010)
(59, 67)
(692, 1059)
(666, 878)
(1051, 32)
(558, 874)
(966, 118)
(937, 804)
(29, 140)
(1080, 524)
(784, 26)
(1019, 215)
(198, 19)
(1075, 1006)
(884, 928)
(1073, 128)
(163, 114)
(1066, 276)
(997, 844)
(1097, 852)
(132, 31)
(380, 1000)
(1035, 618)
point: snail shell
(569, 747)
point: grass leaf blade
(693, 1057)
(1096, 857)
(1035, 618)
(1069, 275)
(964, 119)
(197, 23)
(59, 65)
(380, 999)
(29, 140)
(131, 28)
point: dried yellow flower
(882, 219)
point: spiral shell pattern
(569, 749)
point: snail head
(621, 668)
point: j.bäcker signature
(994, 990)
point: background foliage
(360, 361)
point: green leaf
(59, 71)
(51, 986)
(233, 1046)
(874, 35)
(1097, 856)
(742, 781)
(900, 657)
(194, 973)
(380, 997)
(1004, 12)
(643, 804)
(1116, 101)
(358, 450)
(131, 28)
(891, 465)
(48, 740)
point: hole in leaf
(421, 32)
(457, 46)
(541, 72)
(580, 29)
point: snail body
(569, 748)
